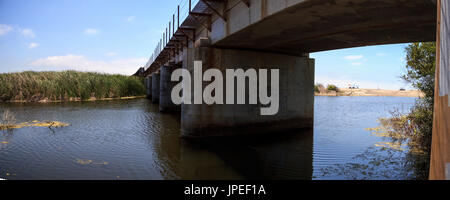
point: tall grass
(62, 86)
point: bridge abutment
(166, 85)
(148, 86)
(155, 87)
(296, 97)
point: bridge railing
(177, 18)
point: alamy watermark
(214, 94)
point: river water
(130, 139)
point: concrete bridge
(227, 34)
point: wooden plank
(440, 148)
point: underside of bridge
(319, 25)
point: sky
(118, 36)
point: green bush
(421, 64)
(31, 86)
(332, 88)
(316, 89)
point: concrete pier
(296, 98)
(148, 86)
(166, 85)
(155, 87)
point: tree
(332, 88)
(316, 89)
(420, 66)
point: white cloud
(130, 19)
(91, 31)
(353, 57)
(111, 54)
(4, 29)
(81, 63)
(33, 45)
(27, 33)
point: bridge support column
(296, 97)
(148, 85)
(155, 87)
(165, 92)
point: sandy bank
(372, 93)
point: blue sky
(368, 67)
(118, 36)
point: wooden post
(440, 148)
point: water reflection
(280, 156)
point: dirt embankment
(372, 93)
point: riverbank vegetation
(421, 65)
(321, 89)
(417, 126)
(332, 88)
(414, 129)
(67, 86)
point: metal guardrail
(178, 17)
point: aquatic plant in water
(49, 124)
(396, 158)
(89, 162)
(8, 121)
